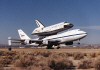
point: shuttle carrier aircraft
(50, 30)
(66, 37)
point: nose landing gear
(78, 42)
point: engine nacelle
(45, 42)
(26, 41)
(22, 44)
(69, 43)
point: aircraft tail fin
(39, 24)
(22, 34)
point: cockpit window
(79, 30)
(65, 22)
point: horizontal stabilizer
(16, 39)
(15, 42)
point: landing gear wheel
(49, 47)
(58, 47)
(78, 43)
(9, 49)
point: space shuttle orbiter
(50, 30)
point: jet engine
(22, 44)
(69, 43)
(45, 42)
(27, 41)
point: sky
(21, 14)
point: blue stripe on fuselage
(66, 36)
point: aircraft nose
(68, 26)
(85, 33)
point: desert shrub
(78, 55)
(54, 55)
(25, 61)
(12, 53)
(98, 54)
(16, 57)
(93, 54)
(1, 66)
(43, 53)
(69, 54)
(63, 54)
(85, 54)
(52, 63)
(60, 64)
(97, 64)
(5, 60)
(30, 53)
(46, 54)
(37, 53)
(46, 68)
(1, 53)
(9, 69)
(8, 53)
(22, 53)
(85, 64)
(37, 68)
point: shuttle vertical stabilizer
(39, 24)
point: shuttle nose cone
(68, 26)
(71, 25)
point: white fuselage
(51, 30)
(68, 36)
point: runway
(54, 50)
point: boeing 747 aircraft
(50, 30)
(66, 37)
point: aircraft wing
(24, 40)
(54, 40)
(35, 41)
(45, 40)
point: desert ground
(50, 59)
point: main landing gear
(58, 47)
(9, 48)
(50, 47)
